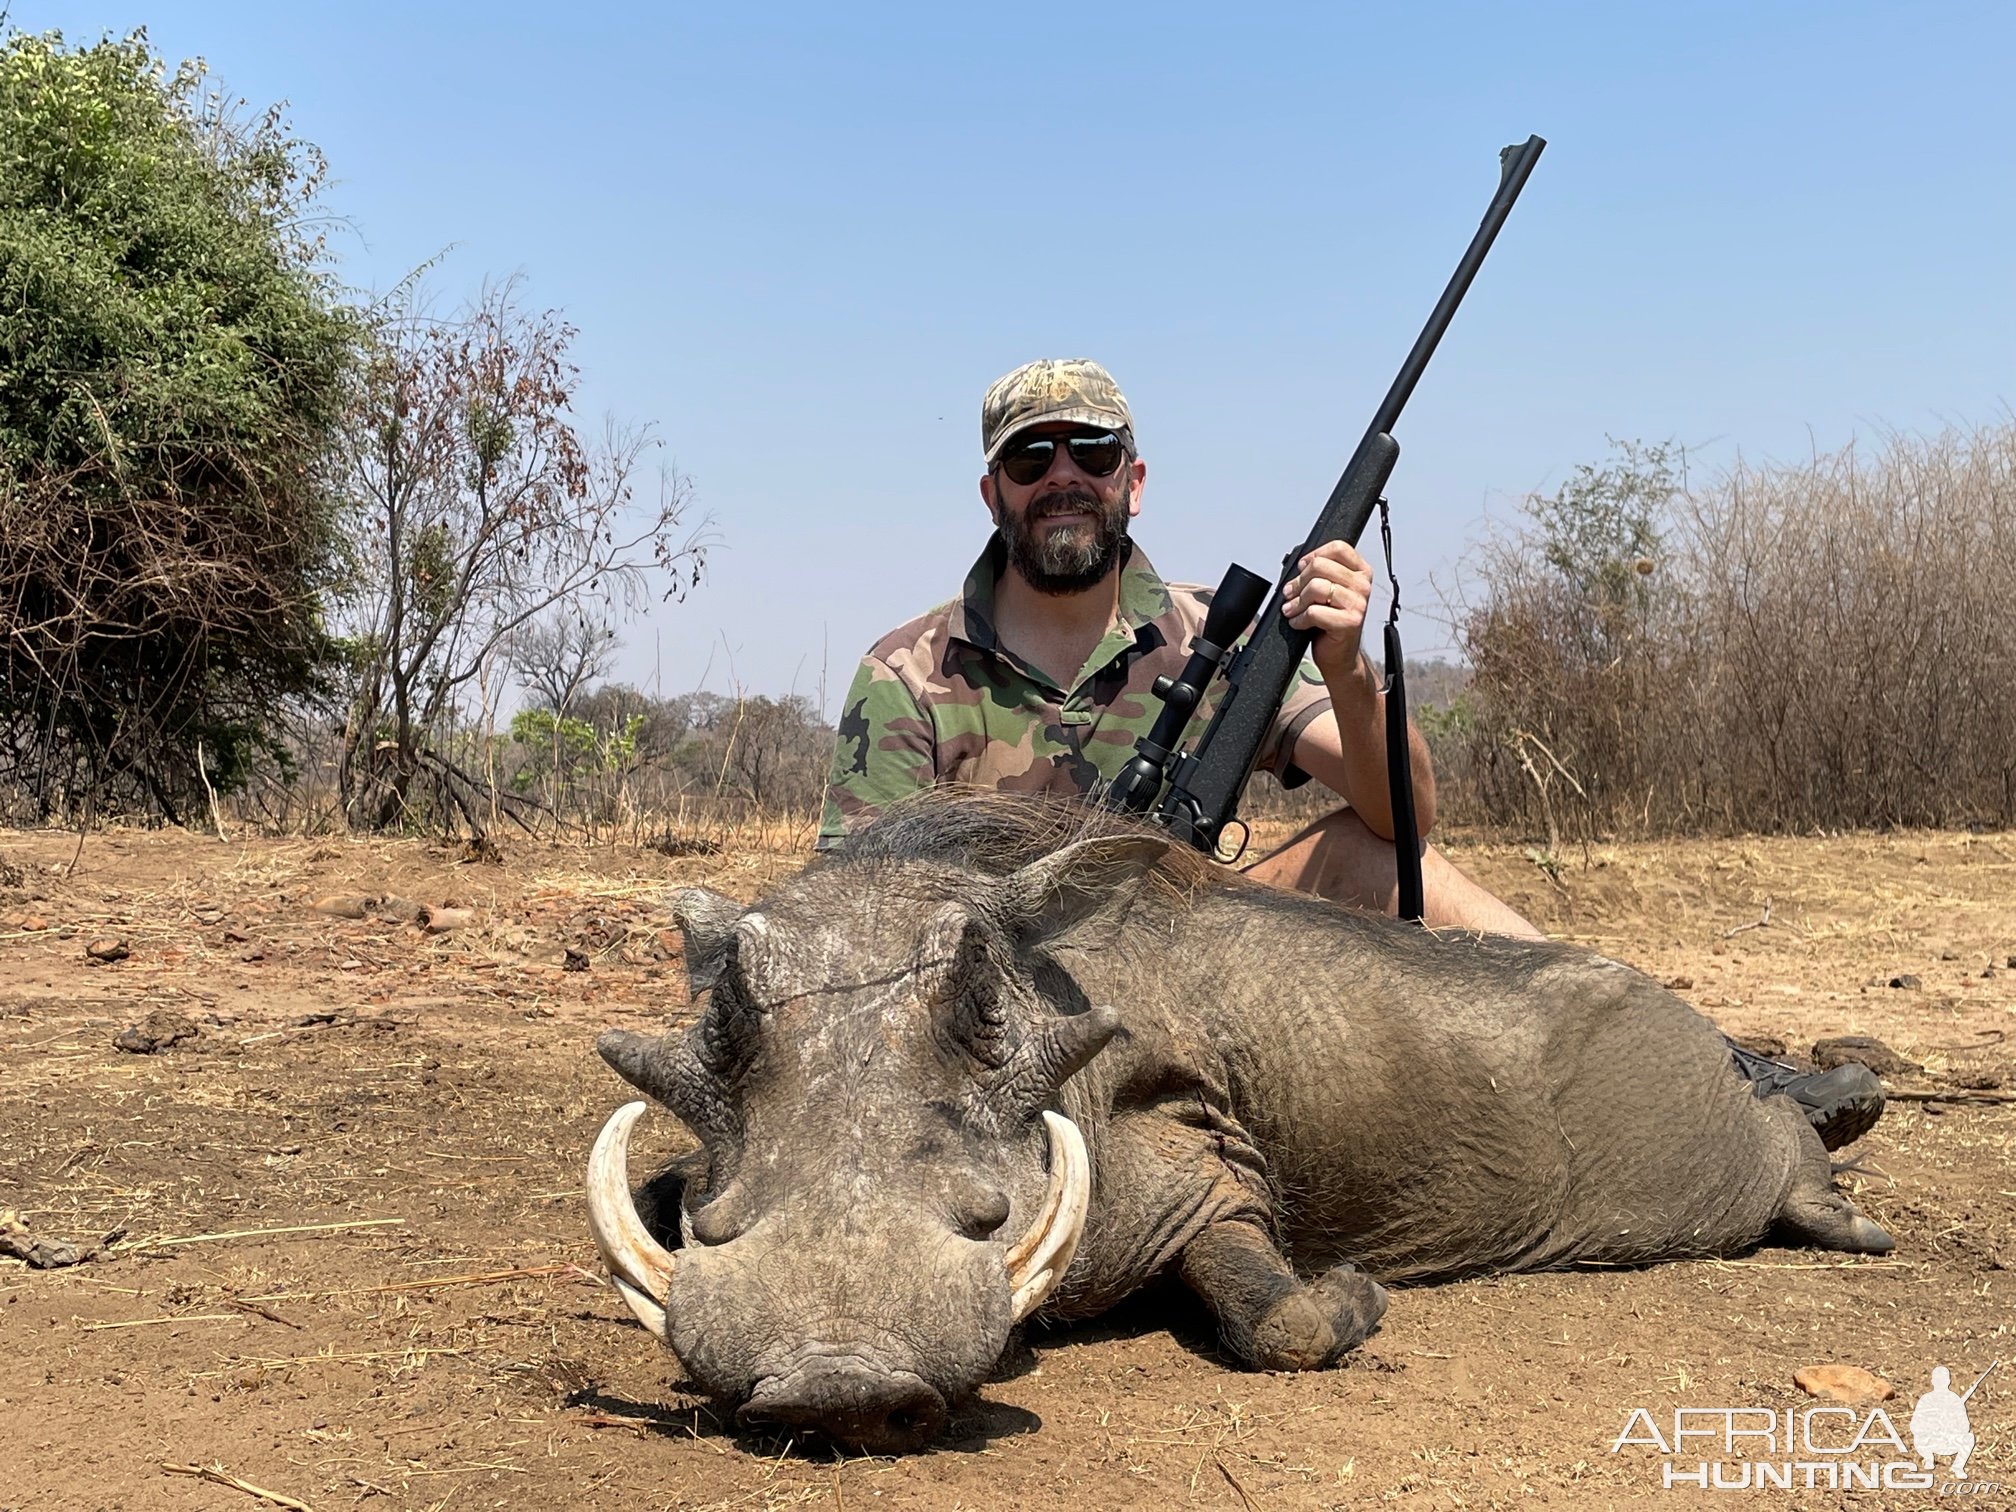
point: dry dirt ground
(352, 1266)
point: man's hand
(1329, 594)
(1345, 749)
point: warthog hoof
(1316, 1326)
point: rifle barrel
(1979, 1379)
(1200, 790)
(1515, 166)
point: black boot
(1842, 1104)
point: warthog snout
(851, 1400)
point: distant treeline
(608, 761)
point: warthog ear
(1094, 878)
(668, 1068)
(706, 919)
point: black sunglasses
(1028, 458)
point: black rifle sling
(1399, 755)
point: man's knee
(1336, 857)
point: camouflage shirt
(940, 700)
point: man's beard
(1065, 561)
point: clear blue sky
(801, 239)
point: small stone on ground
(1862, 1050)
(1843, 1383)
(155, 1033)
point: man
(1037, 679)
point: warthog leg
(1267, 1316)
(1816, 1213)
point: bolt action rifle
(1199, 791)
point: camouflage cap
(1068, 390)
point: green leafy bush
(173, 359)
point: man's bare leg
(1337, 857)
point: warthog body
(1271, 1088)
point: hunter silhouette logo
(1939, 1423)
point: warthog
(995, 1056)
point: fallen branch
(219, 1476)
(1244, 1500)
(1729, 934)
(612, 1420)
(263, 1312)
(484, 1278)
(302, 1228)
(173, 1318)
(1983, 1040)
(446, 774)
(1859, 1262)
(1957, 1095)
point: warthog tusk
(1042, 1255)
(639, 1266)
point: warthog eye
(983, 1216)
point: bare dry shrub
(480, 513)
(1855, 619)
(1787, 647)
